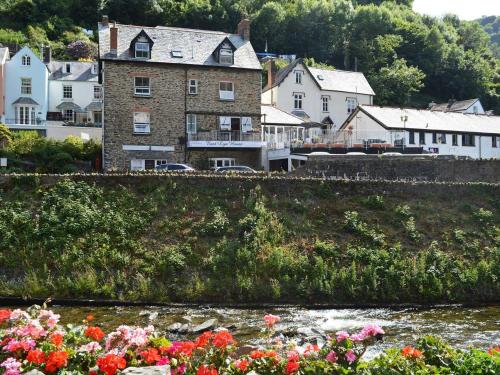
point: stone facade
(168, 105)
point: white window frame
(25, 115)
(325, 104)
(351, 104)
(26, 60)
(297, 100)
(298, 77)
(193, 87)
(143, 52)
(93, 68)
(97, 92)
(225, 123)
(191, 123)
(142, 127)
(246, 124)
(226, 56)
(26, 88)
(67, 117)
(225, 94)
(224, 162)
(142, 90)
(137, 164)
(67, 92)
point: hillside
(408, 58)
(491, 25)
(255, 239)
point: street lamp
(404, 119)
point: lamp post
(404, 119)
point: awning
(25, 100)
(94, 106)
(68, 105)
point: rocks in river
(207, 325)
(245, 350)
(174, 327)
(184, 328)
(152, 370)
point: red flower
(150, 356)
(411, 352)
(203, 340)
(292, 367)
(492, 351)
(56, 338)
(271, 320)
(111, 363)
(36, 356)
(293, 355)
(4, 315)
(89, 318)
(95, 333)
(207, 370)
(241, 364)
(223, 339)
(256, 354)
(55, 361)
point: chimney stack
(113, 39)
(271, 68)
(105, 20)
(244, 29)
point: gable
(224, 45)
(142, 37)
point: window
(97, 93)
(411, 137)
(193, 87)
(468, 140)
(68, 115)
(191, 123)
(26, 60)
(324, 103)
(177, 54)
(225, 123)
(442, 138)
(142, 50)
(297, 101)
(421, 138)
(246, 124)
(161, 162)
(141, 122)
(454, 139)
(221, 162)
(434, 138)
(93, 68)
(142, 86)
(495, 141)
(67, 92)
(226, 91)
(475, 109)
(352, 103)
(67, 68)
(298, 77)
(25, 115)
(26, 86)
(137, 165)
(226, 56)
(97, 117)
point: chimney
(431, 105)
(113, 39)
(46, 54)
(244, 29)
(105, 20)
(451, 102)
(271, 68)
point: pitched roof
(275, 116)
(329, 80)
(80, 71)
(455, 106)
(429, 120)
(196, 46)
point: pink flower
(332, 357)
(162, 362)
(179, 370)
(15, 345)
(372, 330)
(271, 320)
(342, 335)
(293, 355)
(49, 317)
(11, 366)
(350, 356)
(91, 347)
(358, 337)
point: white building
(326, 97)
(448, 133)
(26, 91)
(463, 106)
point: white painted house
(326, 97)
(26, 91)
(448, 133)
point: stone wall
(420, 168)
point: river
(462, 327)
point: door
(235, 128)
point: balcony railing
(24, 122)
(221, 138)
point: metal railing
(21, 122)
(221, 135)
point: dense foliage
(386, 40)
(34, 339)
(491, 25)
(28, 151)
(183, 239)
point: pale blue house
(26, 91)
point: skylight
(177, 53)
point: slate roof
(458, 106)
(275, 116)
(94, 106)
(69, 105)
(25, 100)
(430, 120)
(80, 71)
(196, 46)
(332, 80)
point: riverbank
(257, 240)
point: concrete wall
(60, 133)
(421, 168)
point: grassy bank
(248, 239)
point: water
(462, 327)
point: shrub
(374, 201)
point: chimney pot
(113, 40)
(243, 29)
(271, 68)
(105, 20)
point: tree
(82, 50)
(5, 135)
(396, 83)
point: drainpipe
(185, 114)
(480, 149)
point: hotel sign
(226, 144)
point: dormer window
(226, 56)
(93, 68)
(26, 60)
(142, 50)
(67, 68)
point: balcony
(32, 123)
(225, 139)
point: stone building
(179, 95)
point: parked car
(392, 154)
(356, 153)
(174, 168)
(236, 169)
